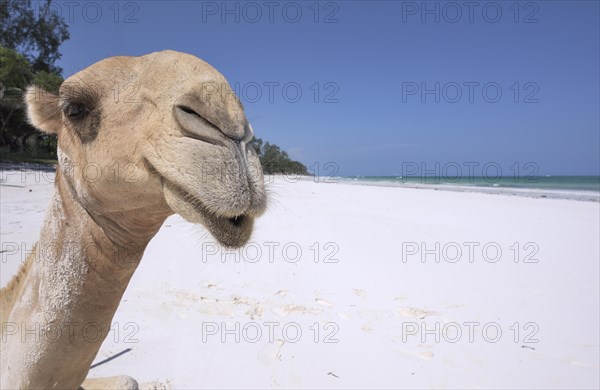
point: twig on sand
(111, 358)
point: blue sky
(364, 69)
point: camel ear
(43, 111)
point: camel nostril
(194, 125)
(229, 121)
(195, 114)
(187, 110)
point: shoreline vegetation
(8, 157)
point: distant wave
(558, 187)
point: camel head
(140, 138)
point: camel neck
(129, 230)
(75, 284)
(102, 247)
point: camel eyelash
(71, 96)
(63, 104)
(73, 109)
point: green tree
(15, 75)
(30, 36)
(15, 71)
(276, 161)
(48, 81)
(36, 32)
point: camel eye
(75, 111)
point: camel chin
(229, 231)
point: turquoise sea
(570, 187)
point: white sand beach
(349, 286)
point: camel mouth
(238, 220)
(229, 231)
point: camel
(174, 139)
